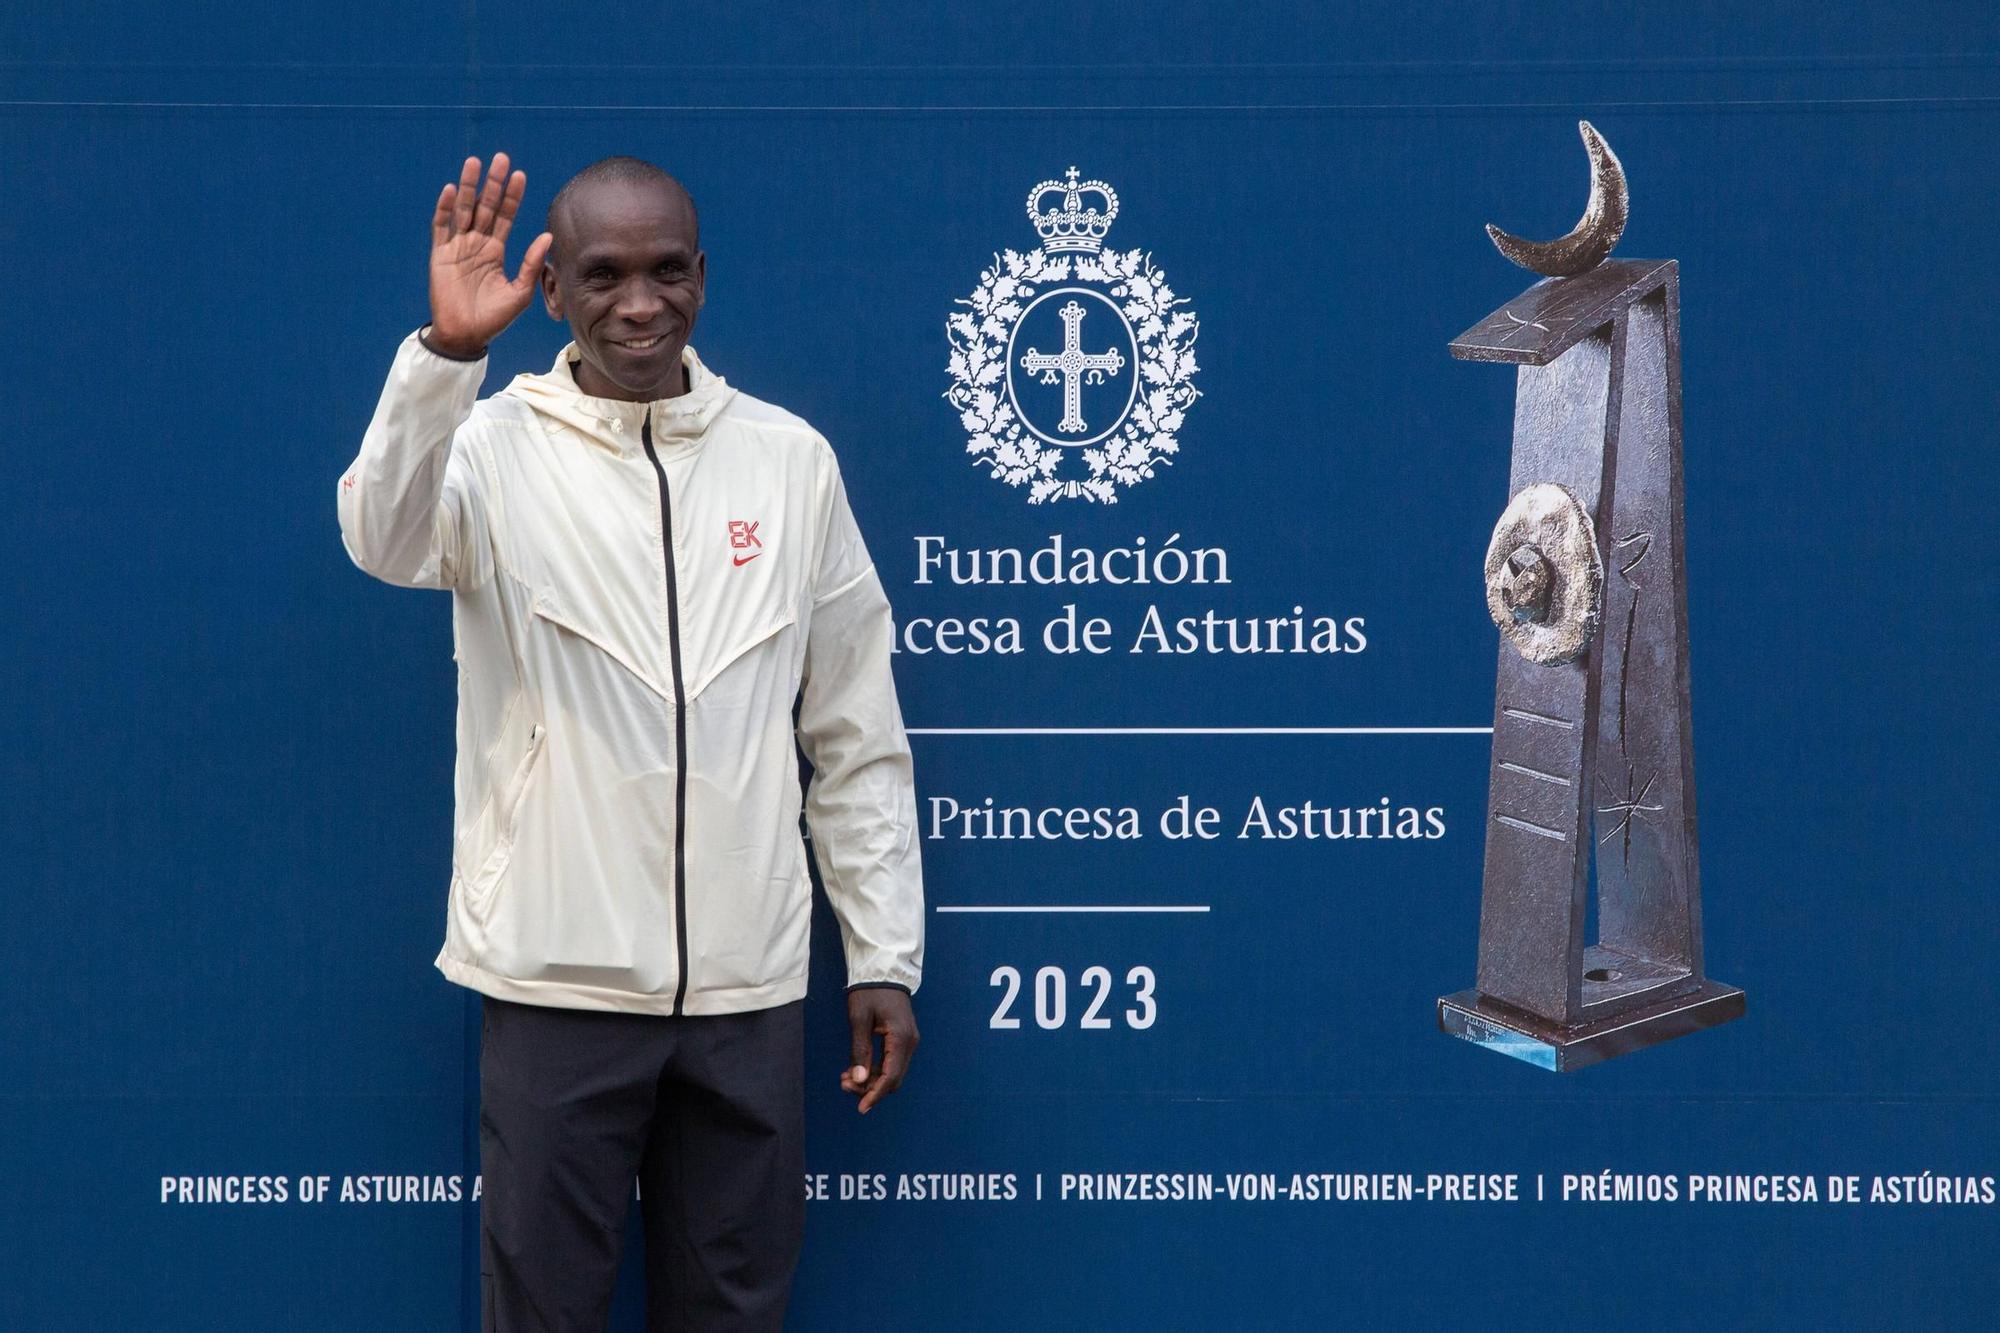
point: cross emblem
(1074, 365)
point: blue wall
(226, 790)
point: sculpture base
(1524, 1036)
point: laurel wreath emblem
(1164, 331)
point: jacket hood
(613, 422)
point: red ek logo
(743, 536)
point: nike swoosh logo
(745, 559)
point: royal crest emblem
(1072, 366)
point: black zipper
(680, 718)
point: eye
(598, 274)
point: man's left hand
(873, 1011)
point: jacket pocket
(490, 841)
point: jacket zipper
(680, 718)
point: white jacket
(627, 790)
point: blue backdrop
(226, 790)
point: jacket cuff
(446, 355)
(885, 985)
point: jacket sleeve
(861, 802)
(409, 503)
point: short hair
(623, 170)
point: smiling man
(649, 570)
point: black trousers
(707, 1113)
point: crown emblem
(1072, 227)
(1072, 366)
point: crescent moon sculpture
(1590, 241)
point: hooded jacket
(640, 593)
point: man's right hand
(471, 299)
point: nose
(638, 303)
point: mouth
(638, 344)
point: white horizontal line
(1199, 731)
(1068, 907)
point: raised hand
(472, 300)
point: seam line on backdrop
(1898, 60)
(1540, 108)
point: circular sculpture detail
(1544, 575)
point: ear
(700, 278)
(551, 291)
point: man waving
(649, 569)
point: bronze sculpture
(1592, 765)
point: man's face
(627, 275)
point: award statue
(1592, 781)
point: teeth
(640, 344)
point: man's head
(627, 266)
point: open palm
(472, 299)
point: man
(648, 569)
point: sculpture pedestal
(1553, 1046)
